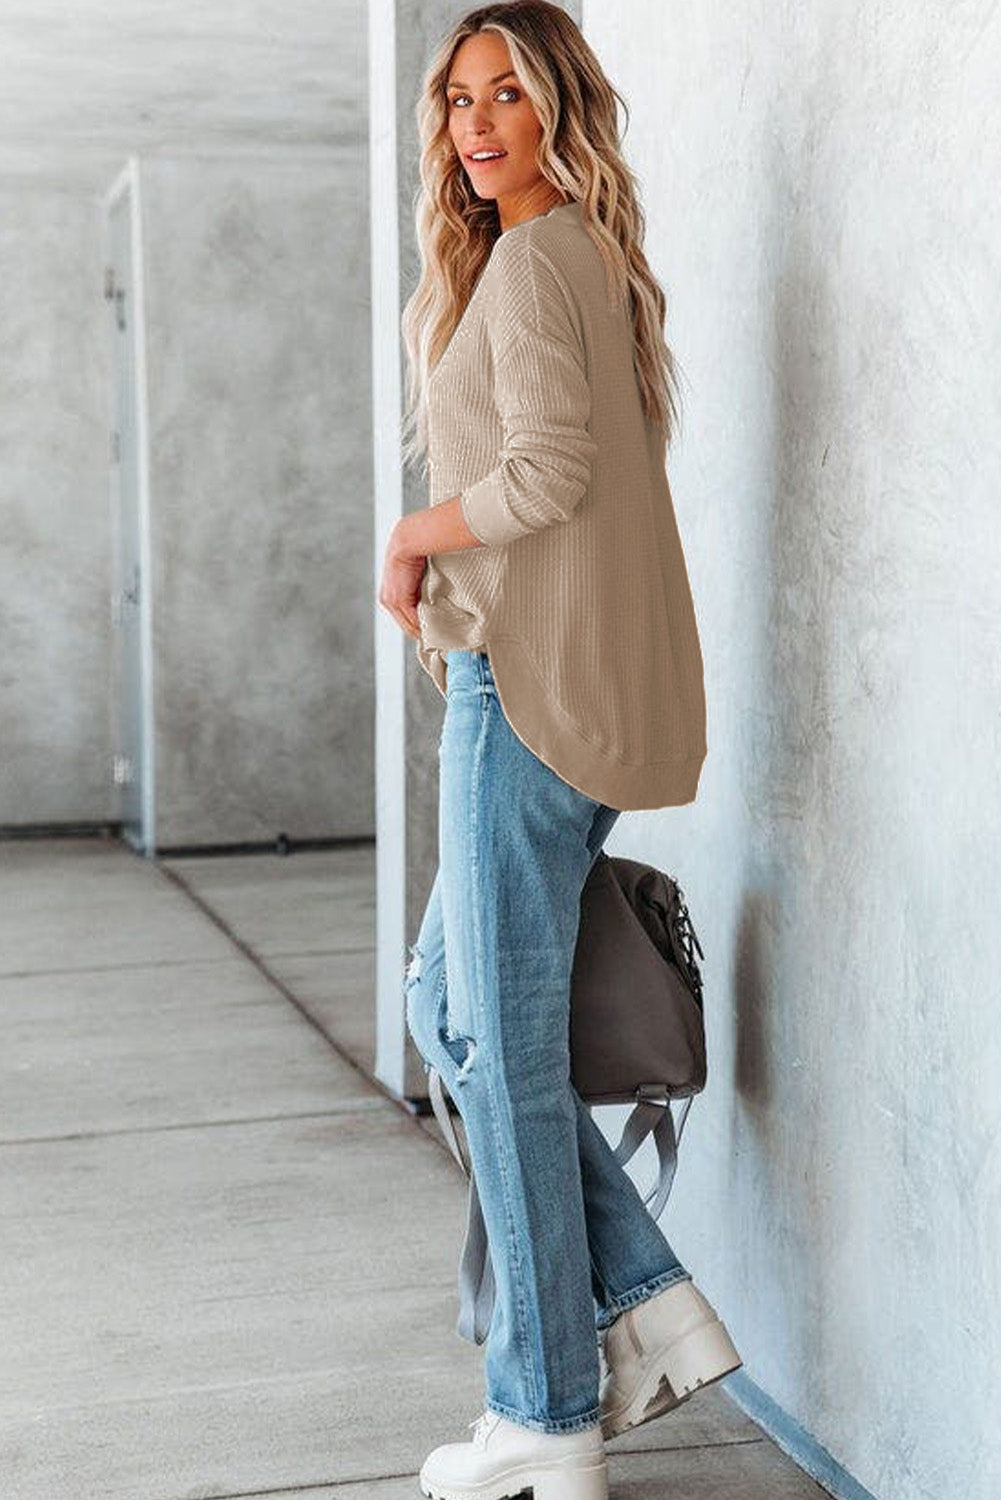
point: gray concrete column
(402, 36)
(408, 706)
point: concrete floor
(229, 1260)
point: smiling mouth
(485, 161)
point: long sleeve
(543, 399)
(581, 599)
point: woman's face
(489, 110)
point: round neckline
(546, 214)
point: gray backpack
(636, 1036)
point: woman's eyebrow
(455, 84)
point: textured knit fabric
(580, 596)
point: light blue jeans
(488, 1004)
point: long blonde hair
(579, 153)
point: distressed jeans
(571, 1241)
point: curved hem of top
(669, 783)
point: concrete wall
(55, 626)
(821, 190)
(260, 401)
(251, 134)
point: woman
(546, 588)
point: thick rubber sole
(576, 1480)
(704, 1355)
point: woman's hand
(402, 572)
(415, 537)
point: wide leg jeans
(488, 1004)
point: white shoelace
(480, 1425)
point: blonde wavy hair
(579, 152)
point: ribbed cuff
(486, 514)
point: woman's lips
(487, 161)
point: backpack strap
(476, 1275)
(657, 1118)
(476, 1278)
(444, 1119)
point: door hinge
(123, 770)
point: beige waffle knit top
(580, 596)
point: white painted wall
(821, 191)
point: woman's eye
(456, 98)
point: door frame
(126, 186)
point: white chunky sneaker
(656, 1354)
(504, 1459)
